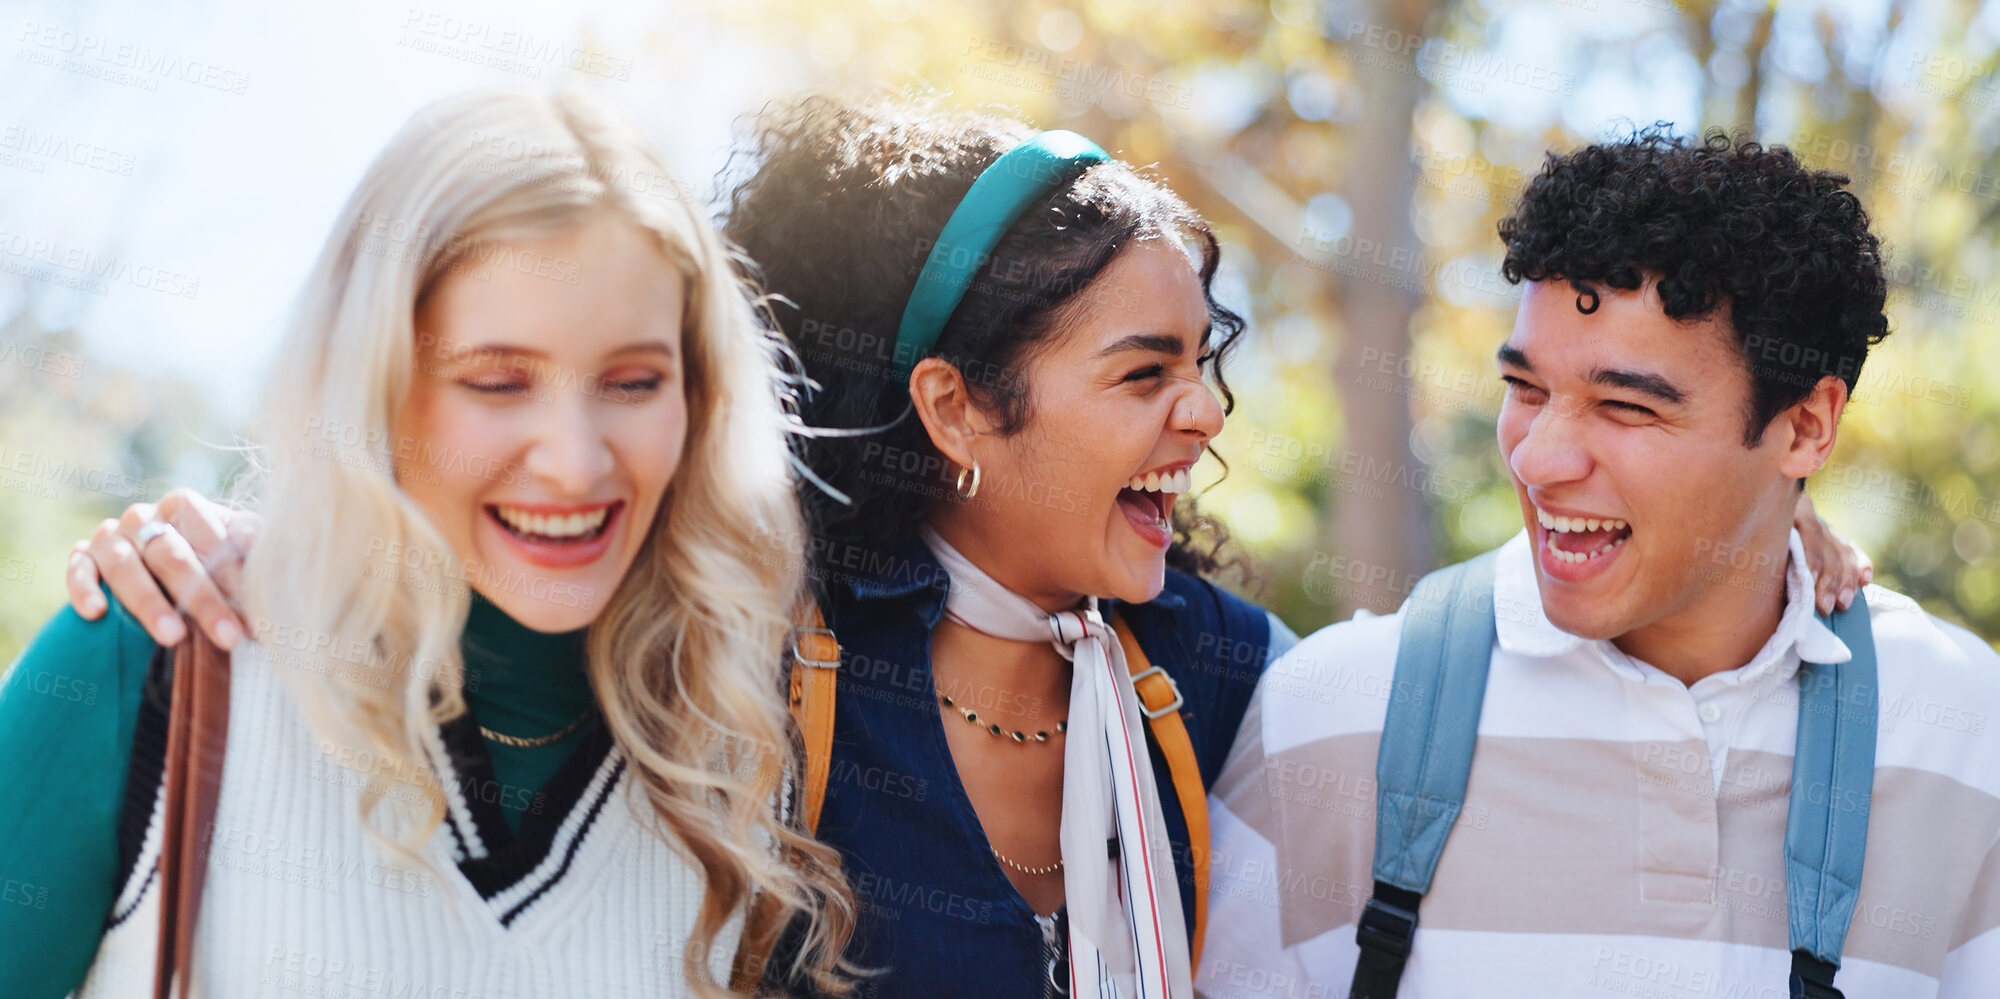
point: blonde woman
(507, 716)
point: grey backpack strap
(1424, 758)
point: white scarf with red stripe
(1126, 934)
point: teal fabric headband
(1013, 183)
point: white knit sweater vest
(298, 903)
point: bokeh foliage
(1253, 112)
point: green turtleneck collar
(524, 683)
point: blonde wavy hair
(686, 658)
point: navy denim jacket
(937, 913)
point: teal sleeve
(68, 708)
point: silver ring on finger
(150, 530)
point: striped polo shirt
(1623, 833)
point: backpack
(1425, 756)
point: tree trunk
(1380, 531)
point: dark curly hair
(844, 199)
(1720, 223)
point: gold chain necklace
(538, 741)
(1024, 869)
(1020, 738)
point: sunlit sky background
(239, 191)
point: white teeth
(1572, 525)
(1566, 525)
(1579, 557)
(1158, 482)
(553, 526)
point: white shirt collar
(1524, 630)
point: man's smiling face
(1623, 433)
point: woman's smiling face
(1076, 502)
(546, 418)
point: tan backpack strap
(1161, 700)
(816, 665)
(197, 735)
(816, 668)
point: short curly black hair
(1720, 223)
(843, 198)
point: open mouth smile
(1147, 501)
(557, 536)
(1574, 548)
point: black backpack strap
(1812, 978)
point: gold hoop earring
(963, 492)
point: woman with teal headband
(1030, 440)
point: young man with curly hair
(1694, 318)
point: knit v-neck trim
(512, 870)
(522, 682)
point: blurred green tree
(80, 439)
